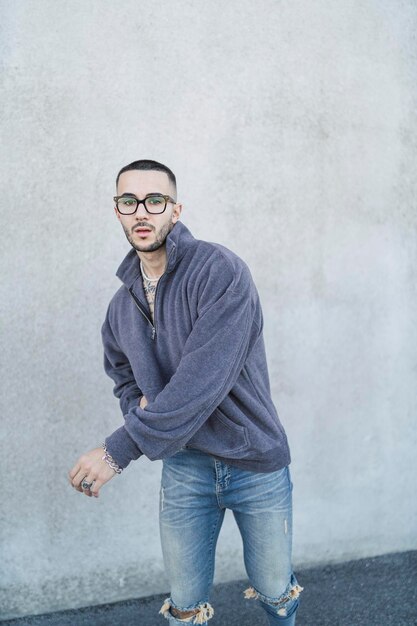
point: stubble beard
(159, 241)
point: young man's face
(140, 184)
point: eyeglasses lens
(126, 205)
(155, 204)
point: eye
(155, 200)
(127, 201)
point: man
(183, 343)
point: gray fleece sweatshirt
(201, 363)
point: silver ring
(85, 485)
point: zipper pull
(153, 332)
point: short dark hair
(147, 165)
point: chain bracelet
(110, 460)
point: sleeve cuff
(122, 448)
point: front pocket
(220, 436)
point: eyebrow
(132, 195)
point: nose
(141, 212)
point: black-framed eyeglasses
(154, 203)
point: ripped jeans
(196, 489)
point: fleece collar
(178, 242)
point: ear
(117, 213)
(176, 212)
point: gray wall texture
(291, 126)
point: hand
(143, 402)
(91, 468)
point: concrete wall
(291, 127)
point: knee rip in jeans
(291, 593)
(198, 614)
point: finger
(74, 471)
(96, 487)
(78, 478)
(102, 477)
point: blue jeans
(196, 489)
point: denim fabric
(196, 489)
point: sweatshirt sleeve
(118, 368)
(212, 359)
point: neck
(154, 262)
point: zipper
(154, 303)
(137, 302)
(156, 291)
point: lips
(142, 231)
